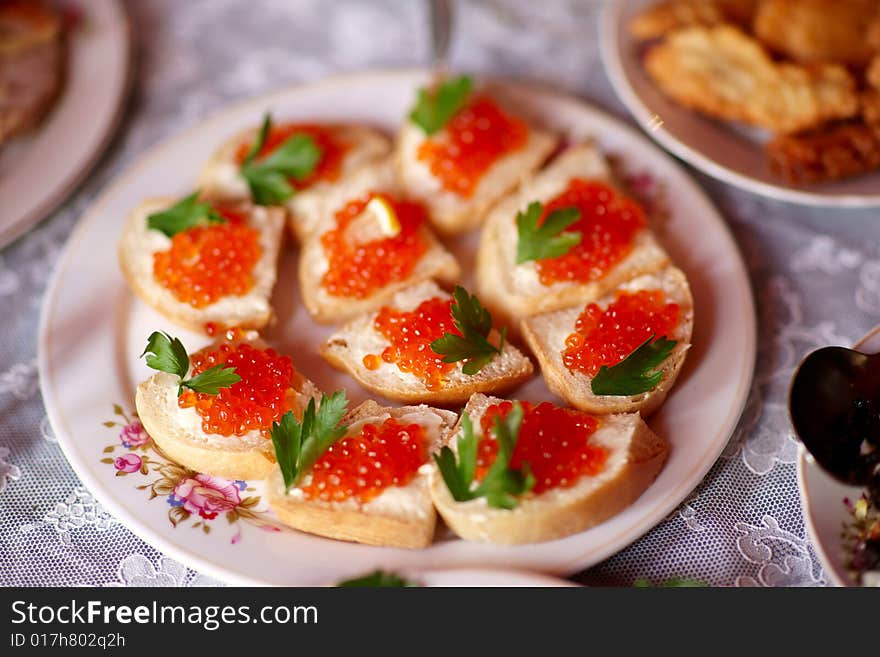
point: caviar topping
(553, 441)
(608, 225)
(357, 268)
(363, 465)
(476, 136)
(410, 334)
(605, 337)
(208, 262)
(266, 391)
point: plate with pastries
(779, 97)
(400, 322)
(64, 73)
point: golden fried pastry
(725, 73)
(833, 31)
(840, 151)
(31, 64)
(872, 73)
(870, 104)
(661, 19)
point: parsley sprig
(268, 176)
(298, 444)
(435, 107)
(184, 214)
(167, 354)
(379, 579)
(548, 240)
(502, 485)
(637, 373)
(474, 323)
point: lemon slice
(385, 216)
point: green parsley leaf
(298, 444)
(212, 380)
(268, 177)
(550, 239)
(167, 354)
(501, 486)
(474, 323)
(460, 475)
(379, 579)
(636, 373)
(435, 107)
(186, 213)
(672, 582)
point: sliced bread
(349, 346)
(634, 457)
(546, 335)
(399, 516)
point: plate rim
(609, 52)
(590, 556)
(75, 175)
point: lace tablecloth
(816, 276)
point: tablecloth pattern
(816, 276)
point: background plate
(92, 330)
(39, 170)
(725, 151)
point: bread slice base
(178, 432)
(220, 177)
(345, 350)
(139, 244)
(513, 291)
(546, 334)
(636, 456)
(406, 520)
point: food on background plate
(369, 242)
(664, 17)
(358, 476)
(32, 63)
(212, 411)
(425, 346)
(504, 477)
(723, 72)
(621, 353)
(567, 236)
(798, 69)
(201, 263)
(461, 150)
(814, 31)
(291, 164)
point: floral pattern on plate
(193, 498)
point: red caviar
(332, 150)
(267, 390)
(554, 441)
(357, 269)
(608, 225)
(411, 334)
(472, 141)
(364, 465)
(208, 262)
(606, 337)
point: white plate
(473, 577)
(822, 498)
(39, 170)
(92, 331)
(732, 154)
